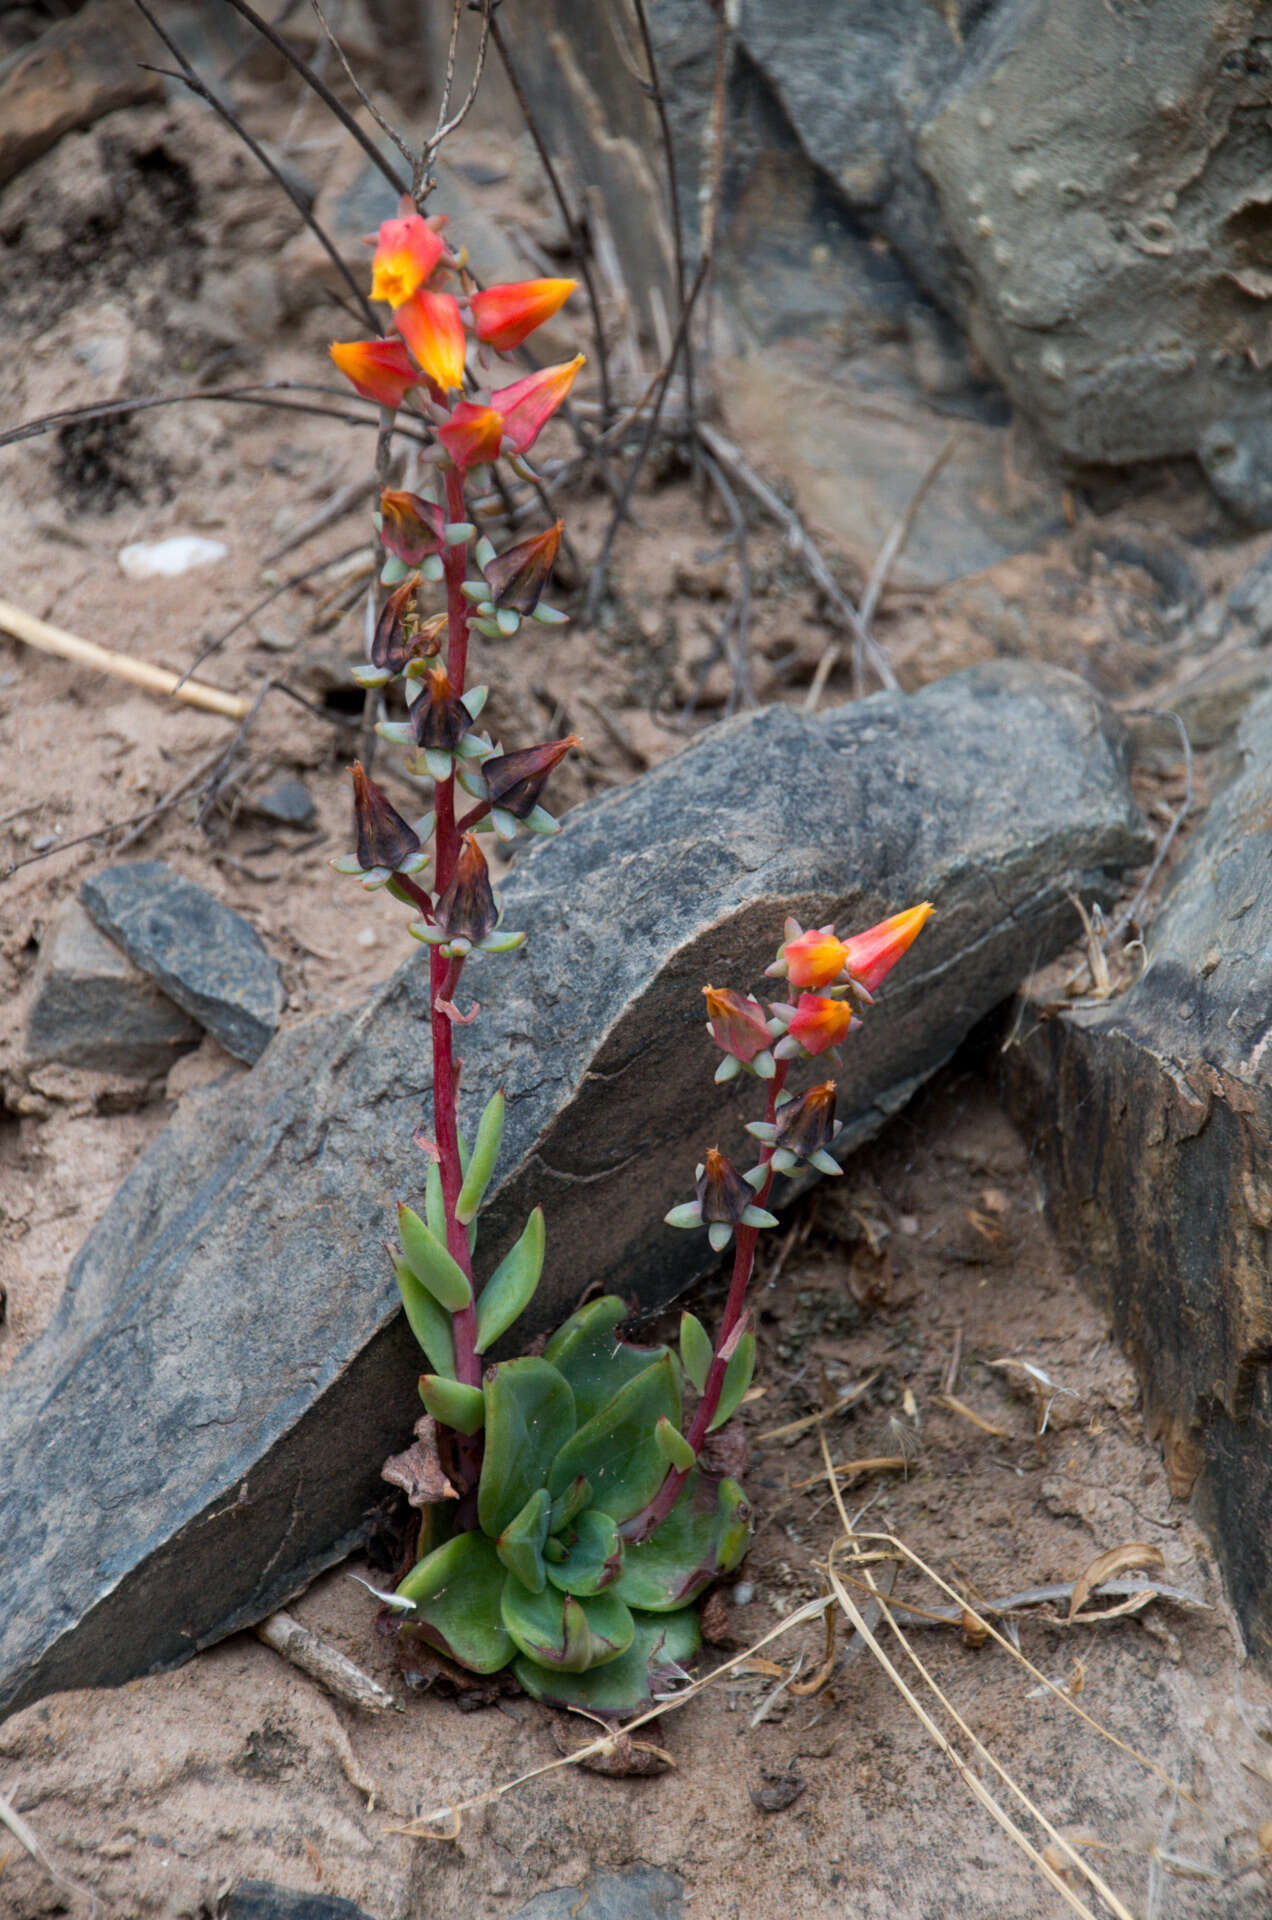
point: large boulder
(200, 1430)
(1151, 1118)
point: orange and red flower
(406, 253)
(814, 959)
(871, 955)
(505, 316)
(380, 370)
(410, 527)
(817, 1024)
(432, 327)
(527, 405)
(737, 1023)
(472, 436)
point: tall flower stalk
(571, 1509)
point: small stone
(289, 804)
(165, 559)
(780, 1789)
(91, 1007)
(743, 1594)
(263, 1900)
(206, 957)
(1236, 457)
(644, 1893)
(366, 936)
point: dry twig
(324, 1663)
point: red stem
(745, 1241)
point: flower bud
(505, 316)
(527, 405)
(383, 837)
(873, 954)
(815, 958)
(804, 1129)
(409, 526)
(439, 720)
(514, 781)
(723, 1194)
(467, 910)
(518, 576)
(407, 250)
(430, 324)
(380, 370)
(391, 645)
(737, 1023)
(816, 1025)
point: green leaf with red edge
(705, 1534)
(529, 1418)
(594, 1555)
(587, 1351)
(555, 1629)
(457, 1591)
(617, 1450)
(663, 1643)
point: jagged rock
(81, 69)
(206, 957)
(91, 1007)
(645, 1893)
(1152, 1120)
(1236, 456)
(228, 1364)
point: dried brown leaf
(1136, 1556)
(419, 1471)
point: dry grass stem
(847, 1400)
(954, 1405)
(120, 666)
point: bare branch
(673, 189)
(361, 91)
(259, 395)
(424, 182)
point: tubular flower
(813, 959)
(406, 253)
(472, 436)
(386, 843)
(726, 1199)
(738, 1027)
(527, 405)
(814, 1026)
(431, 326)
(803, 1130)
(517, 577)
(410, 527)
(438, 720)
(391, 645)
(505, 316)
(873, 954)
(514, 782)
(467, 910)
(380, 370)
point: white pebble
(366, 936)
(151, 559)
(743, 1594)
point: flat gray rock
(646, 1893)
(91, 1007)
(1151, 1119)
(206, 957)
(201, 1428)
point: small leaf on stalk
(520, 1545)
(673, 1446)
(510, 1288)
(430, 1261)
(456, 1591)
(559, 1631)
(661, 1645)
(529, 1414)
(587, 1350)
(618, 1450)
(452, 1404)
(695, 1349)
(737, 1378)
(594, 1556)
(484, 1155)
(427, 1321)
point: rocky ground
(147, 252)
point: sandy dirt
(148, 253)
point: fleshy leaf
(594, 1556)
(529, 1414)
(587, 1350)
(705, 1534)
(673, 1446)
(737, 1378)
(510, 1288)
(617, 1450)
(456, 1591)
(556, 1630)
(696, 1352)
(567, 1504)
(520, 1545)
(452, 1404)
(482, 1163)
(432, 1264)
(428, 1322)
(662, 1644)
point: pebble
(165, 559)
